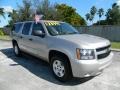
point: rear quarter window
(26, 28)
(17, 27)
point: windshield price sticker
(52, 23)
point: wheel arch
(13, 42)
(57, 52)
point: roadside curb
(115, 50)
(5, 40)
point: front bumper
(85, 68)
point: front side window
(59, 28)
(37, 26)
(26, 28)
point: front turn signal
(78, 53)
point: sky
(82, 6)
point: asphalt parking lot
(29, 73)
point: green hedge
(116, 45)
(1, 32)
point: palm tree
(100, 13)
(25, 11)
(1, 12)
(93, 11)
(88, 16)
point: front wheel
(16, 49)
(61, 68)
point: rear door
(24, 37)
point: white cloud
(118, 2)
(7, 8)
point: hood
(85, 40)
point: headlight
(85, 54)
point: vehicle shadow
(39, 67)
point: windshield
(60, 28)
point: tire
(61, 68)
(16, 50)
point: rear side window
(17, 27)
(26, 28)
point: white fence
(110, 32)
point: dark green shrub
(1, 32)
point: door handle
(30, 39)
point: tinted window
(37, 26)
(17, 27)
(26, 28)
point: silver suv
(69, 53)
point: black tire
(18, 52)
(67, 72)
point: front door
(39, 44)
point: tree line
(62, 12)
(112, 16)
(50, 11)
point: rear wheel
(61, 68)
(16, 49)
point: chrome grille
(103, 52)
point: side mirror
(38, 33)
